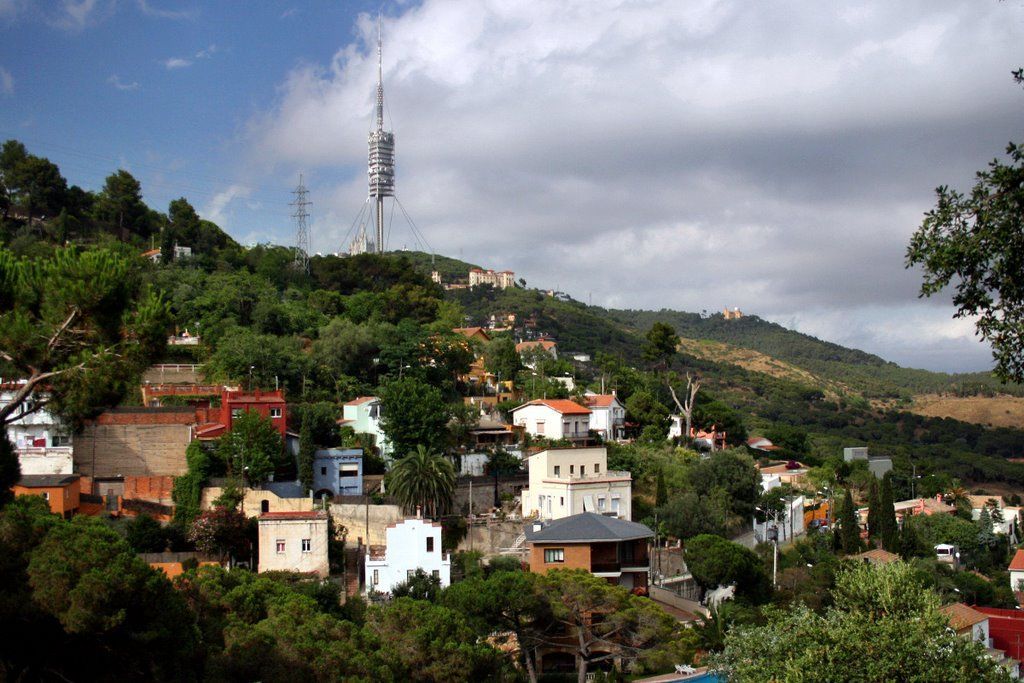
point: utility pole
(301, 204)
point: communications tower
(370, 234)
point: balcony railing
(600, 475)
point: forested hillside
(354, 324)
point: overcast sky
(774, 156)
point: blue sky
(163, 89)
(774, 157)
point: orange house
(608, 547)
(61, 491)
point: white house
(412, 544)
(294, 542)
(1005, 518)
(41, 440)
(1017, 571)
(607, 415)
(363, 415)
(568, 481)
(553, 419)
(787, 524)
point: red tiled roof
(361, 400)
(961, 616)
(877, 556)
(307, 514)
(599, 400)
(470, 331)
(545, 344)
(1017, 563)
(559, 405)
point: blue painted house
(338, 471)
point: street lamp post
(775, 544)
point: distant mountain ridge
(812, 361)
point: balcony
(638, 564)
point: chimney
(419, 512)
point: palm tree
(425, 479)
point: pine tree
(874, 512)
(889, 529)
(307, 451)
(849, 529)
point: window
(540, 426)
(600, 502)
(583, 470)
(307, 545)
(46, 495)
(61, 440)
(572, 469)
(275, 412)
(561, 501)
(264, 505)
(376, 577)
(430, 544)
(597, 468)
(558, 471)
(323, 471)
(436, 574)
(552, 555)
(236, 412)
(280, 546)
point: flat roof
(40, 481)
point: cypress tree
(307, 451)
(661, 494)
(888, 528)
(849, 529)
(874, 512)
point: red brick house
(269, 404)
(607, 547)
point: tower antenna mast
(301, 215)
(381, 168)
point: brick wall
(132, 449)
(576, 557)
(155, 489)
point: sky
(774, 157)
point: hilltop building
(499, 280)
(734, 314)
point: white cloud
(183, 62)
(151, 10)
(176, 63)
(218, 209)
(75, 15)
(290, 12)
(688, 155)
(116, 81)
(6, 82)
